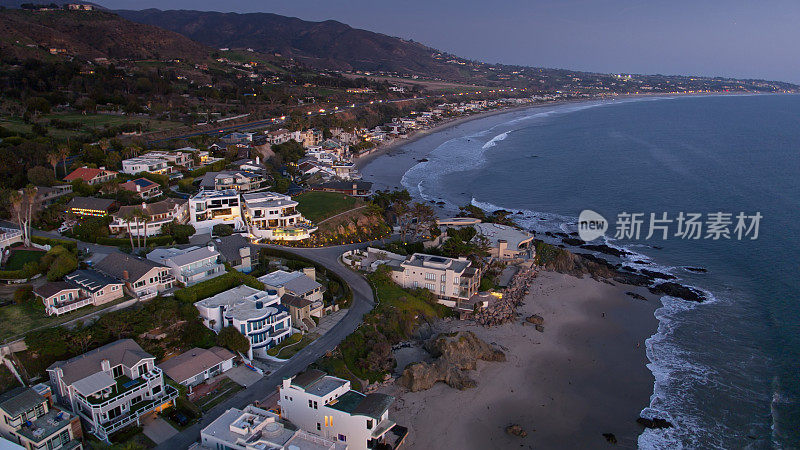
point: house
(139, 164)
(236, 251)
(8, 237)
(236, 138)
(111, 387)
(239, 180)
(251, 165)
(300, 284)
(278, 136)
(505, 242)
(143, 278)
(28, 418)
(144, 188)
(97, 287)
(60, 297)
(327, 407)
(197, 365)
(90, 206)
(177, 158)
(451, 280)
(300, 310)
(352, 188)
(257, 314)
(49, 195)
(159, 214)
(345, 171)
(274, 216)
(91, 176)
(258, 429)
(191, 265)
(208, 208)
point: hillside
(89, 35)
(327, 45)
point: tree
(63, 152)
(233, 340)
(38, 104)
(23, 294)
(127, 217)
(53, 159)
(40, 176)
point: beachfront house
(258, 429)
(91, 176)
(236, 251)
(111, 387)
(132, 166)
(257, 314)
(326, 406)
(505, 242)
(189, 265)
(143, 278)
(301, 284)
(451, 280)
(274, 216)
(28, 418)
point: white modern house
(190, 265)
(132, 166)
(210, 207)
(298, 283)
(158, 213)
(257, 314)
(326, 406)
(178, 157)
(111, 387)
(143, 278)
(274, 216)
(258, 429)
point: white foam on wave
(493, 141)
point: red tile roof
(84, 173)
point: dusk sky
(737, 38)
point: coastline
(584, 376)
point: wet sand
(584, 376)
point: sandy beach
(584, 376)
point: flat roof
(495, 232)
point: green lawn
(317, 206)
(18, 320)
(18, 258)
(290, 346)
(390, 294)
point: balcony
(63, 308)
(124, 386)
(137, 410)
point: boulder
(679, 291)
(536, 319)
(610, 438)
(655, 422)
(636, 296)
(516, 430)
(539, 328)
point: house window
(310, 404)
(430, 276)
(441, 289)
(444, 278)
(342, 438)
(117, 371)
(369, 424)
(319, 426)
(456, 280)
(142, 369)
(430, 286)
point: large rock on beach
(679, 291)
(457, 353)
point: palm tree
(145, 219)
(53, 159)
(127, 217)
(63, 152)
(15, 202)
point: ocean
(727, 371)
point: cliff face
(456, 353)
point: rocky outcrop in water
(516, 430)
(457, 353)
(679, 291)
(655, 422)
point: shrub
(24, 294)
(222, 230)
(61, 266)
(69, 245)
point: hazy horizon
(737, 38)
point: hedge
(12, 274)
(69, 245)
(216, 285)
(126, 242)
(347, 294)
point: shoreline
(585, 375)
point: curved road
(363, 301)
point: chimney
(310, 273)
(102, 167)
(138, 188)
(258, 160)
(125, 275)
(105, 365)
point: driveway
(243, 376)
(157, 429)
(328, 322)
